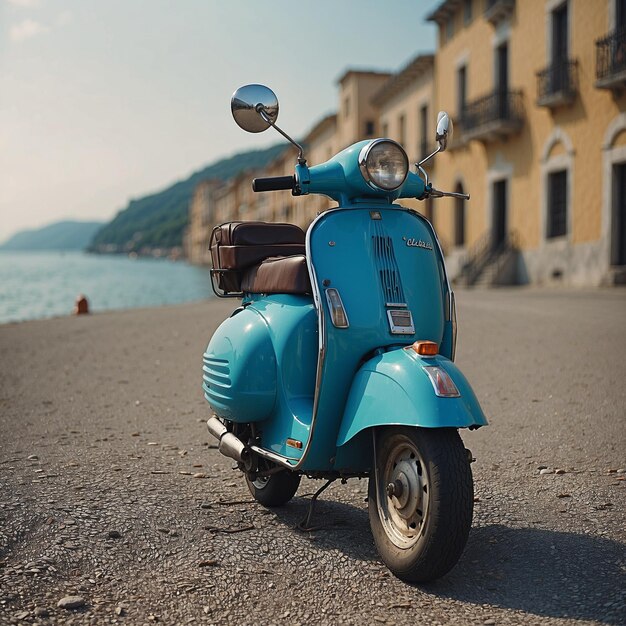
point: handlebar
(435, 193)
(274, 183)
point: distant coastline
(63, 235)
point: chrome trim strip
(275, 458)
(453, 323)
(317, 301)
(397, 304)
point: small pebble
(71, 602)
(114, 534)
(41, 612)
(546, 470)
(207, 563)
(560, 472)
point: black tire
(274, 490)
(421, 544)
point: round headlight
(384, 164)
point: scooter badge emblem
(417, 243)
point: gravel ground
(113, 501)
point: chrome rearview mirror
(254, 107)
(444, 130)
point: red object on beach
(82, 305)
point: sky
(102, 101)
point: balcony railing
(492, 117)
(557, 84)
(611, 60)
(498, 10)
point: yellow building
(201, 212)
(537, 89)
(541, 141)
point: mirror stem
(424, 173)
(261, 111)
(428, 158)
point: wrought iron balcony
(557, 85)
(611, 60)
(498, 10)
(492, 117)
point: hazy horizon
(104, 102)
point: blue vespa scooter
(339, 361)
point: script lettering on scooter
(418, 243)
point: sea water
(36, 285)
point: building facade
(537, 90)
(541, 135)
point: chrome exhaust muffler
(228, 444)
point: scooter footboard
(394, 388)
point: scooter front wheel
(274, 490)
(420, 501)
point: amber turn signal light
(426, 348)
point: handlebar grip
(274, 183)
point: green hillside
(159, 220)
(67, 235)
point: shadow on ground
(538, 571)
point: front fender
(393, 389)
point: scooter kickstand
(304, 524)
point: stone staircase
(488, 265)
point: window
(459, 218)
(559, 34)
(402, 130)
(502, 80)
(557, 204)
(369, 128)
(620, 15)
(461, 86)
(467, 12)
(450, 28)
(424, 131)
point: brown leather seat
(283, 274)
(238, 246)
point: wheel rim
(260, 482)
(403, 494)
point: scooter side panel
(239, 369)
(399, 375)
(292, 327)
